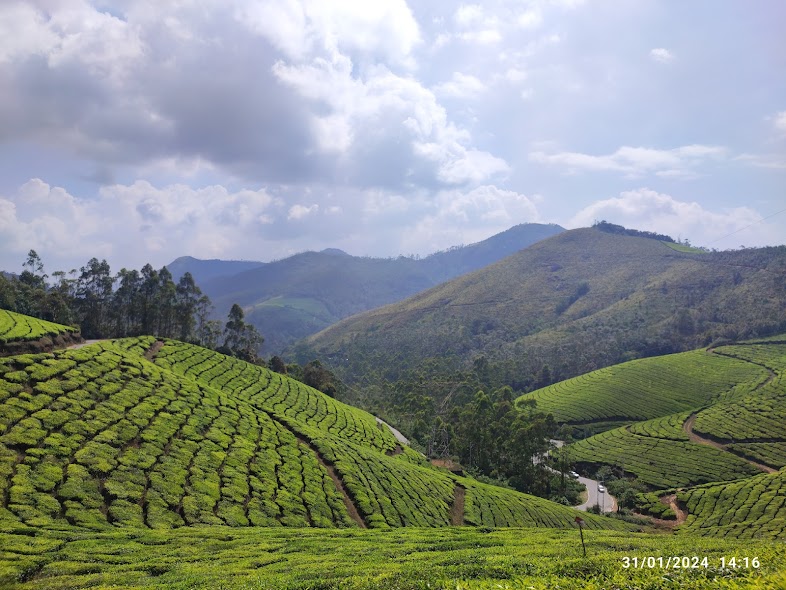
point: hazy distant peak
(334, 252)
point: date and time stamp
(678, 562)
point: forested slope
(570, 304)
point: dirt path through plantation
(154, 349)
(688, 428)
(671, 500)
(457, 509)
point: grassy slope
(753, 507)
(101, 436)
(746, 419)
(511, 310)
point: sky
(139, 131)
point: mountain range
(289, 299)
(572, 303)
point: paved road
(399, 437)
(606, 501)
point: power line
(746, 227)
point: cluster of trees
(129, 303)
(106, 305)
(613, 228)
(449, 414)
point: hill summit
(569, 304)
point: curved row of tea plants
(754, 507)
(660, 462)
(97, 436)
(102, 436)
(668, 427)
(754, 424)
(772, 454)
(15, 327)
(647, 388)
(274, 393)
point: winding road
(606, 501)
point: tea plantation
(102, 436)
(648, 388)
(153, 463)
(17, 327)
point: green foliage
(646, 388)
(15, 326)
(643, 299)
(661, 462)
(754, 507)
(197, 438)
(297, 559)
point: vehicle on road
(601, 488)
(574, 475)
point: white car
(574, 475)
(601, 488)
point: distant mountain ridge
(573, 303)
(205, 270)
(292, 298)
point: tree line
(130, 303)
(143, 302)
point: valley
(146, 461)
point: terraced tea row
(127, 443)
(15, 327)
(661, 462)
(668, 427)
(754, 507)
(647, 388)
(274, 393)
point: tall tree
(241, 339)
(148, 298)
(94, 293)
(188, 297)
(126, 304)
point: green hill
(297, 296)
(145, 433)
(754, 507)
(21, 333)
(153, 463)
(647, 388)
(567, 305)
(731, 421)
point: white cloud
(301, 28)
(649, 210)
(779, 121)
(530, 18)
(464, 217)
(515, 75)
(636, 161)
(460, 86)
(662, 55)
(476, 26)
(73, 33)
(301, 211)
(772, 161)
(133, 223)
